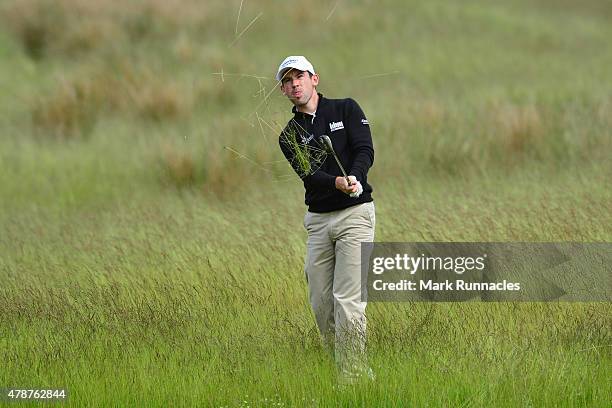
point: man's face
(299, 86)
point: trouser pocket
(372, 213)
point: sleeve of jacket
(359, 140)
(319, 179)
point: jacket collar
(320, 105)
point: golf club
(330, 148)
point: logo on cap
(288, 62)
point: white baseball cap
(298, 62)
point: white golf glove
(357, 193)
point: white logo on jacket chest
(305, 139)
(336, 126)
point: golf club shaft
(330, 148)
(341, 168)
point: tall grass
(147, 287)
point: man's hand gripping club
(349, 185)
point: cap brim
(282, 73)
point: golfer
(340, 212)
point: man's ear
(315, 79)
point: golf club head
(327, 143)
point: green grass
(143, 263)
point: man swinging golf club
(340, 208)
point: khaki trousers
(333, 272)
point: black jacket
(347, 127)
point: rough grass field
(151, 239)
